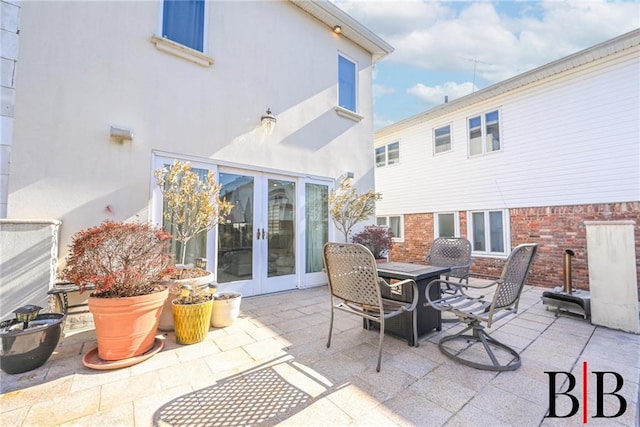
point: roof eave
(332, 15)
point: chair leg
(330, 327)
(479, 335)
(380, 344)
(414, 315)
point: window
(388, 154)
(484, 128)
(488, 232)
(346, 83)
(447, 224)
(442, 139)
(183, 22)
(396, 225)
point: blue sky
(451, 48)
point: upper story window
(394, 223)
(346, 83)
(442, 139)
(484, 133)
(388, 154)
(489, 232)
(183, 22)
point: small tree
(377, 239)
(192, 205)
(349, 208)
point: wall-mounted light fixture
(337, 29)
(346, 175)
(268, 122)
(121, 134)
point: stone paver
(273, 367)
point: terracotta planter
(126, 327)
(191, 321)
(225, 311)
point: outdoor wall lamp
(268, 122)
(121, 134)
(337, 29)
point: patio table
(428, 318)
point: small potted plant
(377, 239)
(126, 263)
(192, 313)
(226, 308)
(192, 206)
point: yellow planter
(191, 321)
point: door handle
(263, 234)
(258, 234)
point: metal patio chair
(474, 311)
(355, 288)
(452, 252)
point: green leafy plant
(348, 208)
(120, 259)
(193, 205)
(377, 239)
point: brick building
(529, 159)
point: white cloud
(380, 90)
(435, 95)
(438, 36)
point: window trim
(483, 132)
(345, 110)
(178, 49)
(433, 135)
(181, 51)
(506, 235)
(386, 155)
(400, 238)
(456, 223)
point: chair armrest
(458, 287)
(396, 285)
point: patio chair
(355, 288)
(474, 311)
(453, 252)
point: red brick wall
(553, 228)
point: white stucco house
(275, 97)
(529, 159)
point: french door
(272, 239)
(257, 245)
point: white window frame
(433, 133)
(386, 155)
(386, 221)
(344, 111)
(436, 223)
(181, 51)
(506, 235)
(483, 132)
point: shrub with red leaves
(119, 259)
(375, 238)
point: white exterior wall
(85, 66)
(569, 139)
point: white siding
(569, 139)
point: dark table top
(405, 270)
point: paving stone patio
(272, 367)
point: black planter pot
(23, 350)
